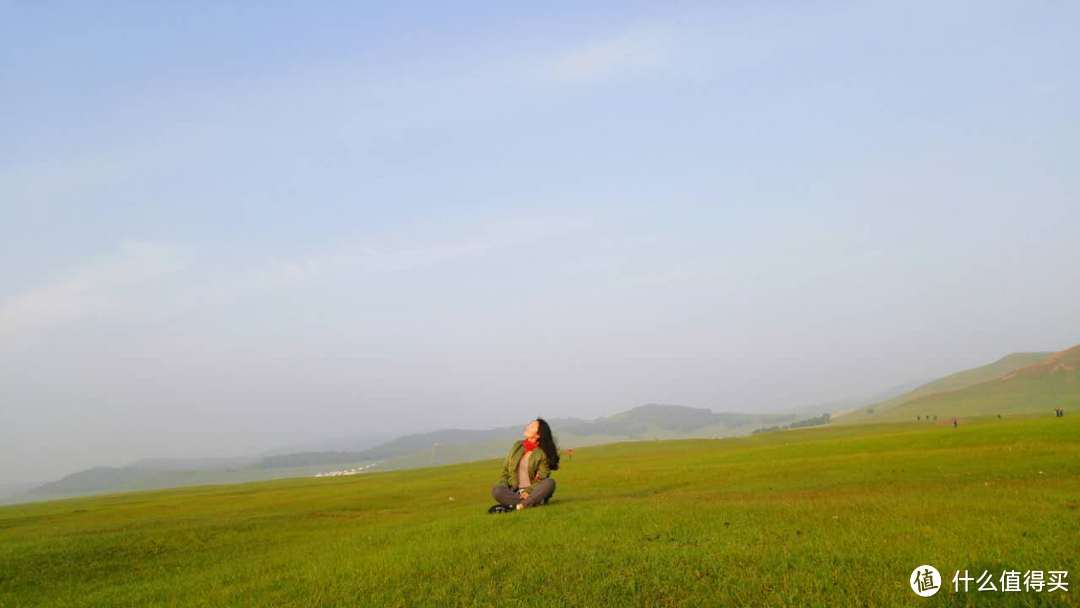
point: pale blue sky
(228, 227)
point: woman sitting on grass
(526, 474)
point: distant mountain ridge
(640, 422)
(1020, 383)
(420, 449)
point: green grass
(833, 516)
(1033, 389)
(1016, 396)
(971, 377)
(1019, 395)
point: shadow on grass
(555, 502)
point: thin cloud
(92, 289)
(378, 255)
(117, 285)
(415, 253)
(630, 52)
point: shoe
(500, 508)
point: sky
(230, 226)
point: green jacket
(538, 466)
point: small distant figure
(1059, 412)
(955, 422)
(569, 453)
(999, 416)
(918, 418)
(935, 417)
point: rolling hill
(1022, 383)
(651, 421)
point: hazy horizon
(229, 229)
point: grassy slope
(976, 375)
(952, 382)
(834, 516)
(147, 480)
(1016, 396)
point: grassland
(1018, 395)
(832, 516)
(970, 377)
(1011, 386)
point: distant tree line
(815, 421)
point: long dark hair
(547, 443)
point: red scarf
(530, 445)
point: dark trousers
(541, 491)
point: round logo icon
(925, 580)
